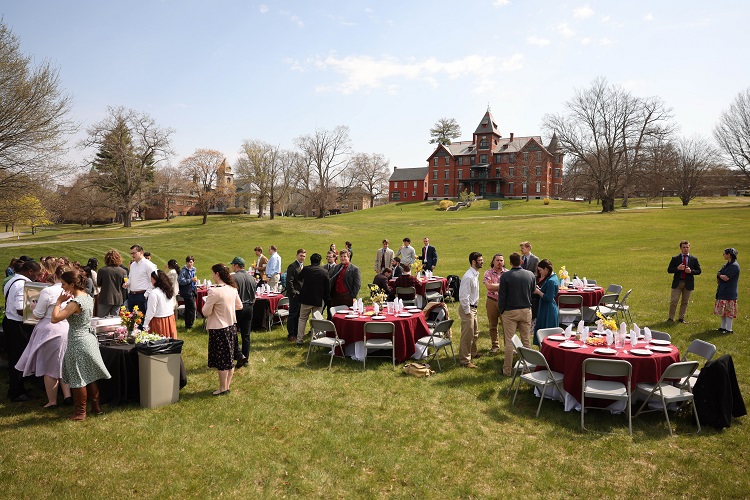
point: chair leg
(309, 348)
(512, 381)
(541, 400)
(330, 362)
(583, 409)
(666, 415)
(437, 358)
(513, 403)
(630, 417)
(695, 412)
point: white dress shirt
(139, 278)
(158, 306)
(468, 294)
(14, 292)
(47, 299)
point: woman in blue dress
(546, 289)
(82, 364)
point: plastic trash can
(159, 372)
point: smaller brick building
(407, 184)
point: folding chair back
(616, 289)
(380, 328)
(661, 335)
(320, 327)
(432, 292)
(407, 294)
(606, 389)
(437, 340)
(570, 308)
(700, 348)
(543, 333)
(607, 367)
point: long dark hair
(163, 283)
(76, 279)
(172, 264)
(223, 272)
(546, 264)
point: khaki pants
(304, 313)
(493, 315)
(676, 292)
(515, 319)
(273, 282)
(469, 334)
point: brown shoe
(93, 395)
(469, 365)
(477, 355)
(79, 403)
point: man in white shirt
(468, 298)
(17, 334)
(273, 269)
(139, 279)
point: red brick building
(491, 166)
(407, 184)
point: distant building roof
(409, 174)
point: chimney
(511, 137)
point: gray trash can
(159, 372)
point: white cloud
(586, 41)
(365, 73)
(605, 19)
(583, 12)
(500, 3)
(648, 17)
(263, 8)
(605, 41)
(565, 30)
(535, 40)
(294, 19)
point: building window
(395, 195)
(355, 207)
(525, 156)
(511, 158)
(406, 184)
(415, 184)
(447, 161)
(472, 160)
(460, 174)
(538, 156)
(435, 174)
(497, 172)
(538, 170)
(525, 171)
(459, 161)
(484, 143)
(557, 188)
(435, 161)
(434, 190)
(471, 174)
(538, 187)
(523, 188)
(510, 188)
(483, 159)
(498, 157)
(558, 173)
(445, 189)
(413, 194)
(558, 158)
(511, 171)
(447, 174)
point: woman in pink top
(221, 322)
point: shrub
(444, 204)
(546, 201)
(235, 211)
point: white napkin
(585, 334)
(376, 308)
(580, 326)
(599, 326)
(636, 329)
(623, 328)
(647, 334)
(569, 331)
(585, 282)
(610, 339)
(633, 339)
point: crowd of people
(61, 349)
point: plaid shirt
(492, 277)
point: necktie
(382, 260)
(525, 261)
(684, 263)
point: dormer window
(484, 143)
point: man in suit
(293, 291)
(429, 256)
(315, 288)
(529, 261)
(683, 266)
(383, 258)
(345, 282)
(246, 290)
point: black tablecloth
(121, 361)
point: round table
(569, 362)
(264, 307)
(591, 296)
(407, 331)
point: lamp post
(662, 197)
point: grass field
(291, 431)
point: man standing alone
(468, 298)
(273, 269)
(683, 266)
(314, 290)
(246, 291)
(345, 282)
(429, 255)
(139, 279)
(514, 304)
(406, 253)
(293, 291)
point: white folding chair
(570, 309)
(437, 340)
(432, 292)
(668, 393)
(407, 291)
(320, 327)
(375, 344)
(282, 311)
(605, 307)
(519, 367)
(622, 307)
(656, 334)
(606, 389)
(540, 379)
(705, 350)
(616, 289)
(543, 333)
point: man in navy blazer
(429, 256)
(683, 267)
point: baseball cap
(239, 261)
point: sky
(224, 71)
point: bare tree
(325, 153)
(270, 170)
(605, 130)
(694, 159)
(34, 122)
(444, 131)
(129, 147)
(369, 172)
(732, 133)
(205, 169)
(169, 183)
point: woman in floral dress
(82, 364)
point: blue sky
(219, 72)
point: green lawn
(291, 431)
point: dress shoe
(469, 365)
(507, 374)
(242, 362)
(292, 339)
(49, 406)
(722, 330)
(493, 351)
(477, 355)
(683, 321)
(670, 320)
(220, 393)
(300, 342)
(23, 398)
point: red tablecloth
(407, 330)
(590, 297)
(569, 362)
(265, 306)
(422, 284)
(200, 297)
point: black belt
(138, 292)
(492, 298)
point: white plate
(641, 336)
(350, 316)
(343, 312)
(657, 348)
(412, 308)
(660, 342)
(378, 317)
(604, 350)
(569, 345)
(641, 352)
(404, 315)
(556, 338)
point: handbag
(418, 370)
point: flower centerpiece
(377, 295)
(607, 323)
(564, 277)
(417, 267)
(131, 319)
(144, 336)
